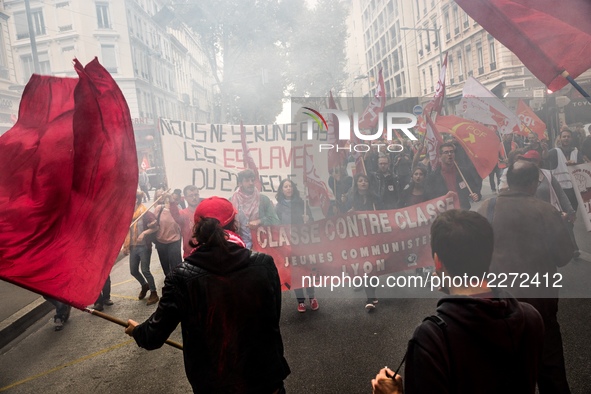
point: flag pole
(150, 207)
(122, 323)
(572, 81)
(464, 179)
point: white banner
(581, 177)
(210, 156)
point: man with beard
(184, 217)
(254, 209)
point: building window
(480, 58)
(446, 26)
(450, 68)
(425, 82)
(22, 27)
(456, 17)
(29, 68)
(109, 58)
(469, 60)
(102, 16)
(436, 33)
(466, 21)
(431, 77)
(460, 67)
(492, 55)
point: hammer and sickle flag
(479, 142)
(67, 186)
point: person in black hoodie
(228, 301)
(481, 340)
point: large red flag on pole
(67, 186)
(248, 160)
(476, 139)
(548, 36)
(370, 117)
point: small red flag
(370, 117)
(68, 184)
(530, 121)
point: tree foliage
(261, 50)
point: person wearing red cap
(228, 301)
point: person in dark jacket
(481, 340)
(359, 199)
(340, 183)
(446, 178)
(414, 193)
(291, 210)
(228, 301)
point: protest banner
(356, 243)
(210, 156)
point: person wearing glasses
(184, 217)
(447, 178)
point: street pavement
(337, 349)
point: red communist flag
(530, 121)
(370, 117)
(475, 138)
(68, 184)
(549, 37)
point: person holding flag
(291, 209)
(448, 178)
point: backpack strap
(439, 322)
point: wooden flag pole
(572, 81)
(150, 207)
(464, 179)
(122, 323)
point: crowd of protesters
(210, 293)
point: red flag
(433, 141)
(145, 163)
(317, 192)
(248, 160)
(476, 139)
(440, 90)
(432, 137)
(370, 117)
(549, 37)
(530, 121)
(68, 184)
(335, 159)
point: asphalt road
(337, 349)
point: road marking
(66, 365)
